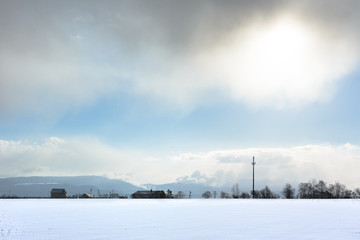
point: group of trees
(265, 193)
(322, 190)
(179, 194)
(235, 193)
(209, 194)
(308, 190)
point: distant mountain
(41, 186)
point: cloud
(274, 166)
(56, 156)
(64, 55)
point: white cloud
(260, 53)
(274, 167)
(57, 156)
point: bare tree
(256, 194)
(244, 195)
(321, 190)
(169, 194)
(313, 190)
(356, 193)
(288, 191)
(206, 194)
(180, 195)
(266, 193)
(224, 195)
(337, 190)
(305, 190)
(235, 191)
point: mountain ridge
(40, 186)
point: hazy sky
(159, 91)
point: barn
(86, 195)
(149, 194)
(58, 193)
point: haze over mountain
(41, 186)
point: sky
(165, 91)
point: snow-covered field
(179, 219)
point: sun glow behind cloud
(282, 63)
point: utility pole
(253, 189)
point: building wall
(58, 195)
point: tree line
(308, 190)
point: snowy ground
(179, 219)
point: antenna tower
(253, 187)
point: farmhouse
(86, 195)
(58, 193)
(149, 194)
